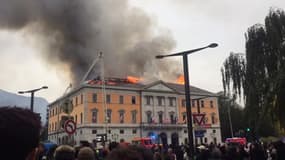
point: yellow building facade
(126, 110)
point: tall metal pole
(187, 91)
(230, 119)
(32, 101)
(188, 107)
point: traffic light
(248, 129)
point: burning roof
(112, 81)
(136, 82)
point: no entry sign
(70, 126)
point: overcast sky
(193, 24)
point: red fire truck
(145, 141)
(236, 140)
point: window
(121, 116)
(81, 99)
(172, 118)
(161, 101)
(211, 104)
(109, 131)
(160, 117)
(202, 104)
(108, 98)
(122, 131)
(94, 98)
(213, 118)
(183, 103)
(94, 131)
(215, 140)
(172, 101)
(94, 115)
(206, 140)
(55, 125)
(55, 110)
(134, 116)
(81, 118)
(121, 100)
(148, 115)
(134, 131)
(149, 100)
(214, 131)
(133, 100)
(193, 102)
(184, 118)
(185, 131)
(109, 116)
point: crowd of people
(20, 135)
(121, 151)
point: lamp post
(184, 54)
(230, 117)
(32, 95)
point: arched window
(134, 116)
(184, 117)
(121, 116)
(148, 117)
(160, 117)
(172, 117)
(109, 115)
(213, 118)
(94, 115)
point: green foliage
(233, 74)
(260, 75)
(226, 105)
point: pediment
(161, 86)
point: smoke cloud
(73, 32)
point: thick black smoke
(73, 32)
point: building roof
(195, 91)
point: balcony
(151, 126)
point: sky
(192, 23)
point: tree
(236, 111)
(261, 74)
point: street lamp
(32, 95)
(184, 54)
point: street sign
(199, 118)
(70, 126)
(199, 133)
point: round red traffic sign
(70, 126)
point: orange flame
(180, 79)
(132, 79)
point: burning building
(125, 108)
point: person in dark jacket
(19, 133)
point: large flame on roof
(180, 80)
(132, 79)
